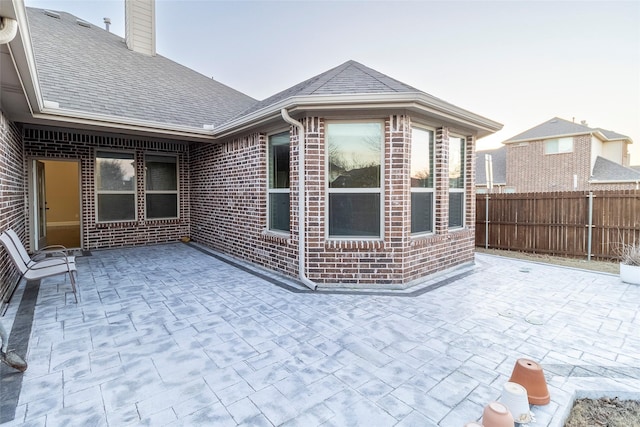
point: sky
(519, 63)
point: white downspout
(9, 29)
(301, 197)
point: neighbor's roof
(85, 68)
(350, 77)
(606, 170)
(556, 127)
(498, 165)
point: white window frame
(271, 191)
(176, 191)
(380, 190)
(464, 184)
(97, 192)
(426, 189)
(558, 145)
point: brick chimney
(140, 26)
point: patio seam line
(280, 284)
(10, 379)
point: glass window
(161, 185)
(422, 149)
(115, 186)
(456, 181)
(278, 191)
(558, 145)
(354, 157)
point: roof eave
(111, 123)
(413, 100)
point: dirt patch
(603, 266)
(604, 412)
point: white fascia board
(118, 123)
(415, 101)
(23, 58)
(614, 181)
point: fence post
(590, 226)
(486, 221)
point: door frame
(32, 200)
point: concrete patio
(174, 335)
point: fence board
(558, 223)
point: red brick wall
(52, 143)
(12, 196)
(530, 170)
(228, 210)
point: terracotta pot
(529, 374)
(497, 415)
(514, 397)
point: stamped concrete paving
(169, 335)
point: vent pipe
(107, 22)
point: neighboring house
(559, 155)
(152, 151)
(497, 164)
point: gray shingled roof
(91, 70)
(553, 127)
(348, 78)
(498, 164)
(606, 170)
(557, 126)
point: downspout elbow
(301, 198)
(8, 29)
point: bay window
(278, 189)
(354, 157)
(456, 181)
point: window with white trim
(422, 182)
(354, 160)
(161, 186)
(115, 186)
(456, 181)
(558, 145)
(278, 213)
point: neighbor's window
(115, 186)
(278, 192)
(354, 157)
(161, 185)
(422, 149)
(558, 145)
(456, 181)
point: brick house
(559, 155)
(151, 151)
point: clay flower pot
(529, 374)
(514, 397)
(497, 415)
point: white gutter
(301, 199)
(9, 29)
(404, 100)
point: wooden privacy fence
(573, 224)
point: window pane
(116, 207)
(421, 212)
(161, 173)
(456, 203)
(279, 160)
(162, 205)
(456, 163)
(279, 211)
(421, 158)
(354, 215)
(115, 171)
(354, 154)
